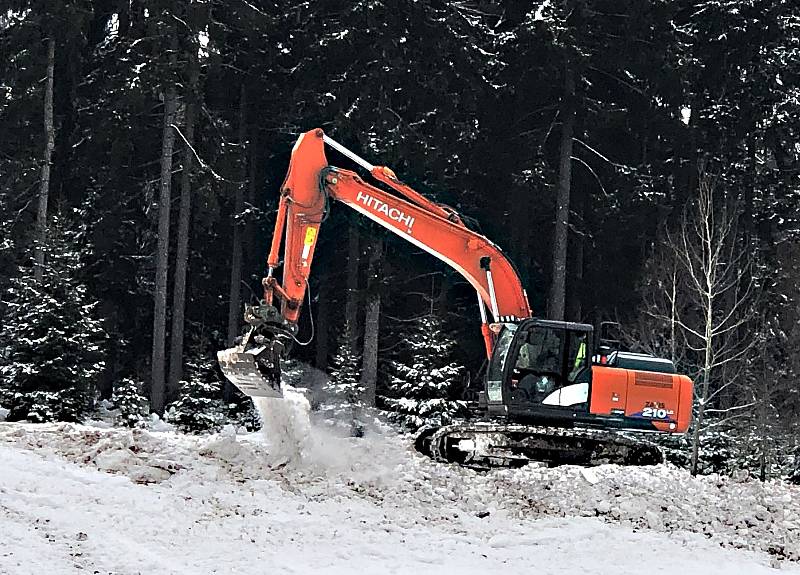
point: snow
(125, 501)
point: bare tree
(44, 179)
(657, 331)
(718, 308)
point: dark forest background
(637, 160)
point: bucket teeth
(243, 370)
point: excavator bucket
(247, 371)
(254, 366)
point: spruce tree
(51, 344)
(132, 405)
(344, 383)
(199, 407)
(422, 387)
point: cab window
(494, 378)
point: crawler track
(486, 445)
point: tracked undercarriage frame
(488, 445)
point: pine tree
(422, 387)
(51, 342)
(132, 405)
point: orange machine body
(663, 399)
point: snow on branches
(422, 383)
(51, 344)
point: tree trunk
(157, 383)
(443, 298)
(182, 248)
(763, 424)
(673, 316)
(555, 304)
(707, 366)
(252, 250)
(44, 180)
(235, 300)
(576, 243)
(369, 362)
(699, 420)
(351, 306)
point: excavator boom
(311, 184)
(305, 196)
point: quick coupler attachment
(254, 366)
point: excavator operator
(539, 365)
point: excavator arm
(310, 186)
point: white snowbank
(372, 504)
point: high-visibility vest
(581, 357)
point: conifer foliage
(51, 344)
(345, 384)
(422, 387)
(199, 407)
(132, 406)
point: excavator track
(488, 445)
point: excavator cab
(540, 368)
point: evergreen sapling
(344, 384)
(422, 387)
(133, 408)
(199, 407)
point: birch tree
(719, 298)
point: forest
(638, 160)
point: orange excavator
(547, 395)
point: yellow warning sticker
(311, 234)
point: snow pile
(413, 491)
(136, 453)
(743, 514)
(58, 517)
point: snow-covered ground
(82, 499)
